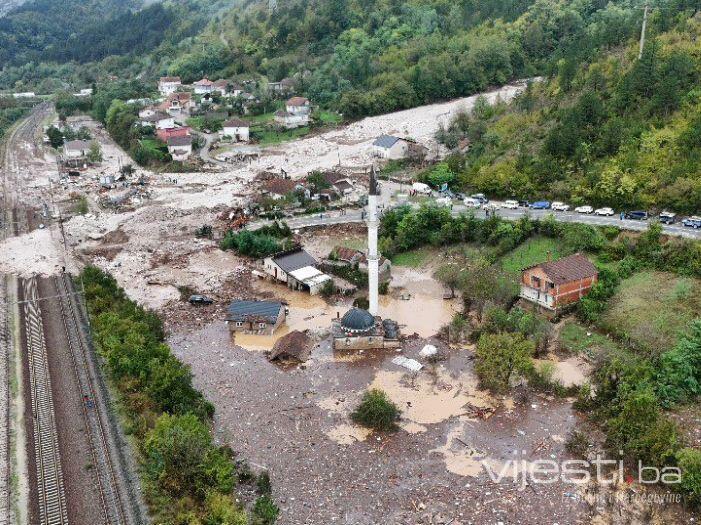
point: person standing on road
(623, 215)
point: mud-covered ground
(295, 423)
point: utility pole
(642, 33)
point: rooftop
(77, 145)
(236, 123)
(241, 311)
(357, 320)
(170, 79)
(294, 259)
(386, 141)
(298, 101)
(179, 141)
(568, 269)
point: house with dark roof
(277, 189)
(258, 317)
(390, 147)
(282, 264)
(555, 284)
(180, 148)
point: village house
(338, 186)
(297, 269)
(296, 113)
(278, 189)
(342, 256)
(285, 86)
(259, 317)
(178, 104)
(180, 148)
(390, 147)
(168, 85)
(203, 87)
(555, 284)
(159, 120)
(221, 87)
(236, 129)
(76, 149)
(235, 89)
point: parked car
(420, 187)
(560, 206)
(692, 222)
(667, 217)
(540, 205)
(637, 215)
(480, 197)
(510, 205)
(606, 212)
(493, 205)
(200, 299)
(524, 204)
(584, 209)
(472, 203)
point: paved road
(354, 216)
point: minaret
(373, 255)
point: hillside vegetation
(617, 131)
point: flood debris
(295, 346)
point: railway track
(5, 343)
(50, 488)
(96, 421)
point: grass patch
(578, 339)
(268, 136)
(413, 258)
(329, 118)
(533, 251)
(650, 309)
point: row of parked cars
(478, 201)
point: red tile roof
(568, 269)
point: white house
(298, 106)
(297, 269)
(389, 147)
(159, 120)
(75, 149)
(168, 85)
(180, 148)
(204, 86)
(222, 86)
(237, 129)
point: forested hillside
(618, 131)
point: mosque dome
(357, 321)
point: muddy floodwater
(325, 469)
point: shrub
(577, 443)
(500, 358)
(689, 462)
(264, 512)
(263, 483)
(376, 411)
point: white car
(492, 205)
(584, 209)
(444, 201)
(510, 205)
(472, 203)
(604, 211)
(559, 206)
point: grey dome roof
(358, 320)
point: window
(239, 323)
(551, 286)
(261, 325)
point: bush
(689, 462)
(500, 358)
(577, 443)
(264, 512)
(263, 484)
(376, 411)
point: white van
(472, 203)
(420, 187)
(444, 201)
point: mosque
(362, 329)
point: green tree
(377, 411)
(501, 358)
